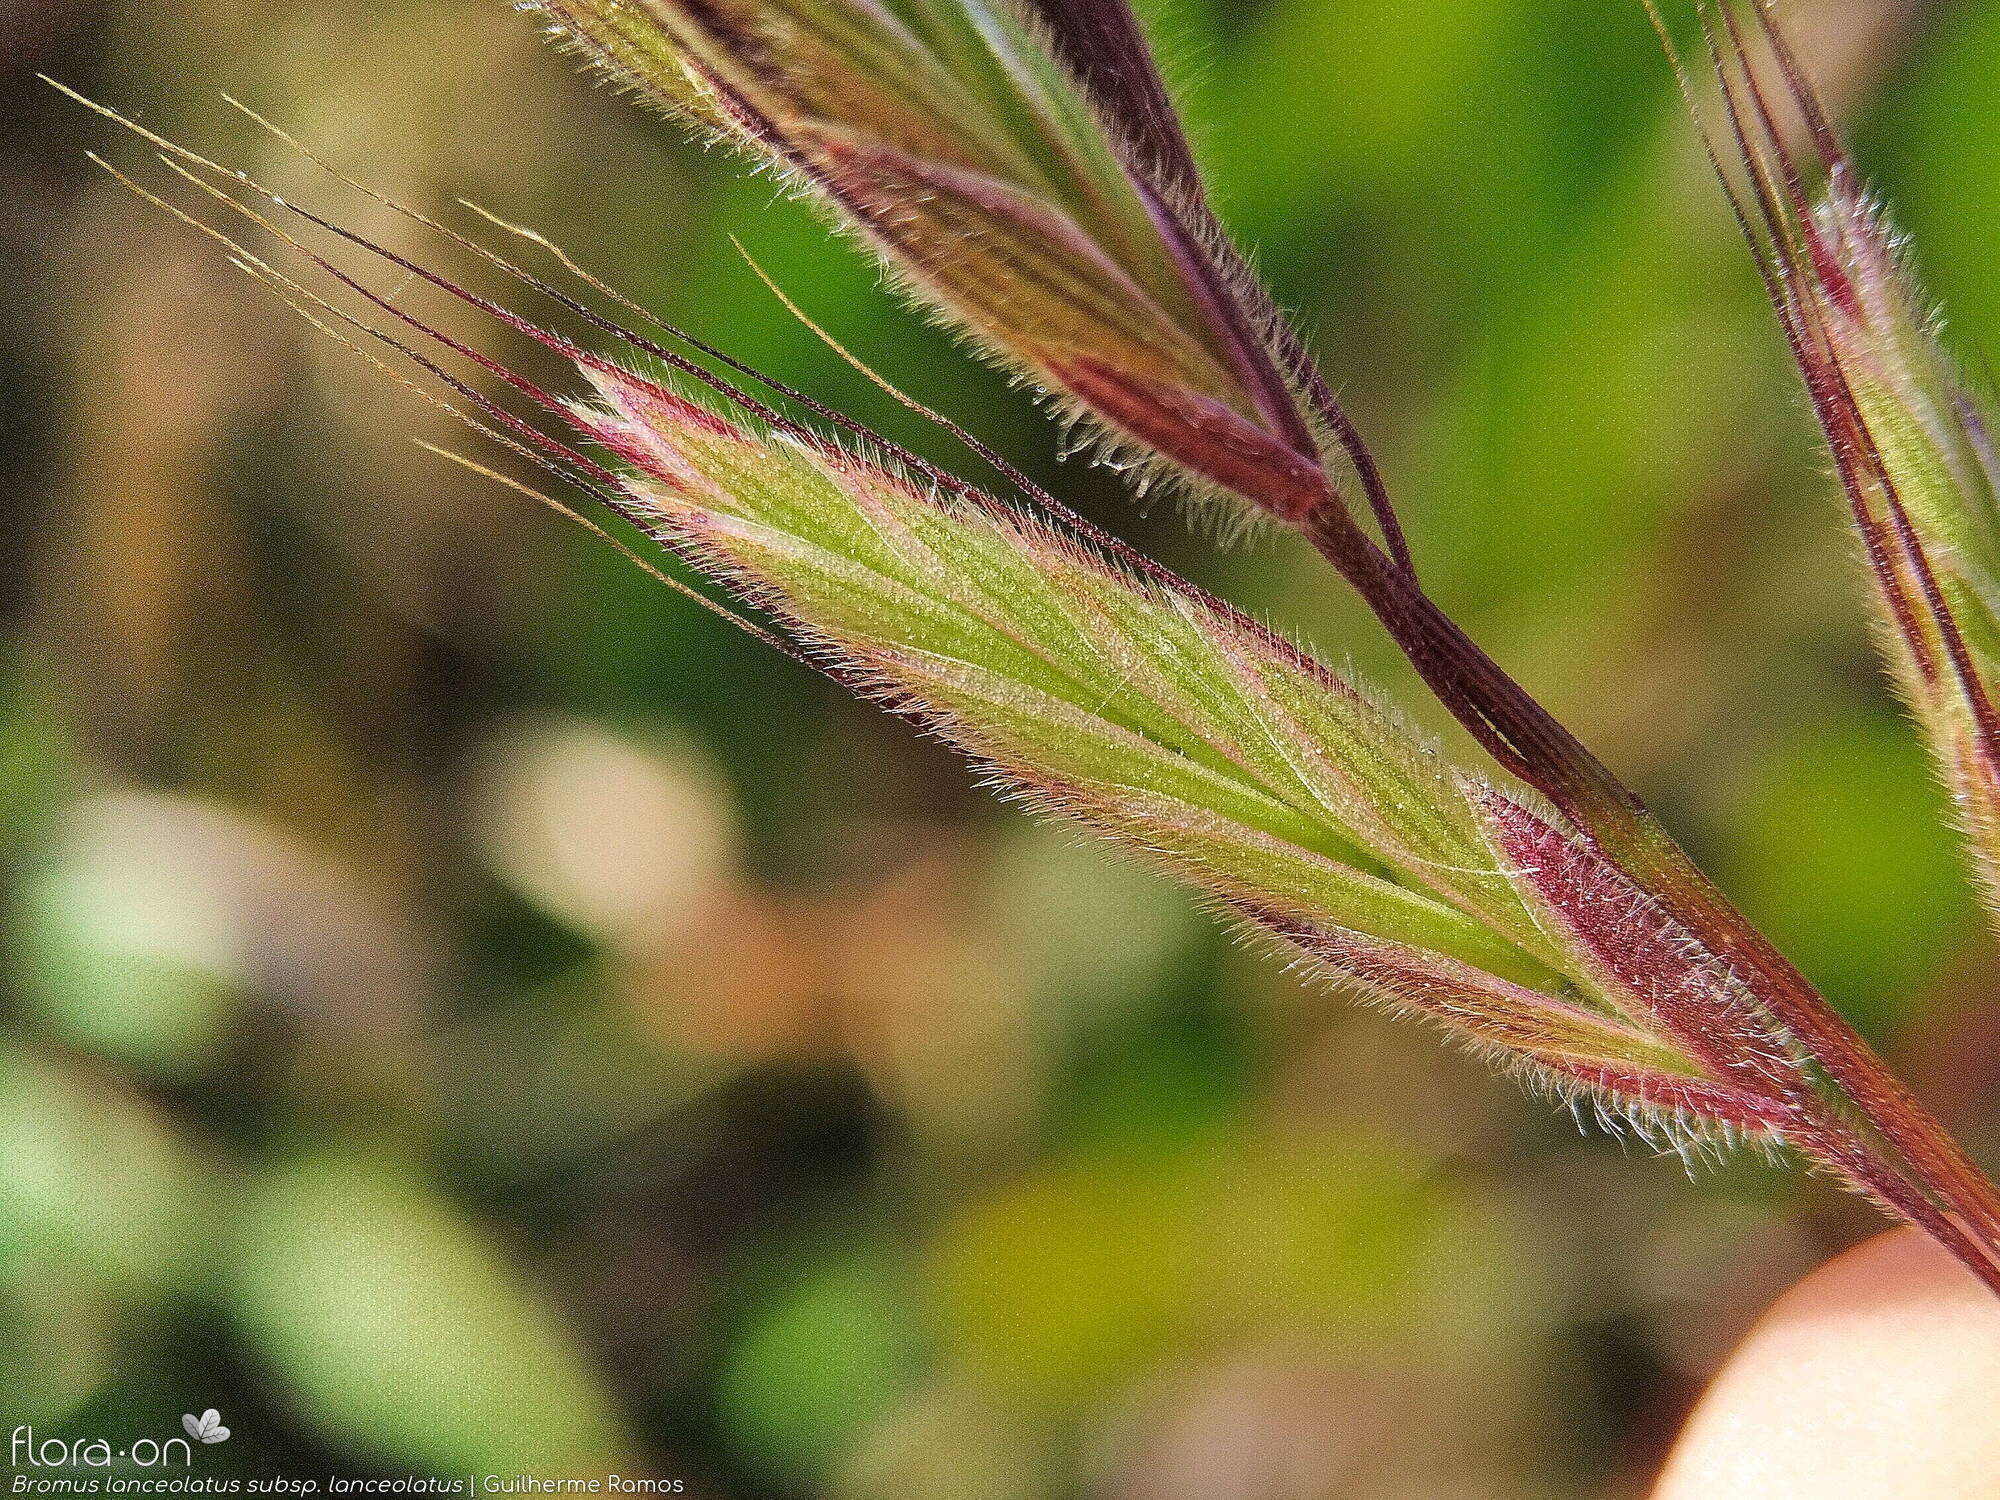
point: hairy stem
(1953, 1199)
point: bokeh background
(466, 1010)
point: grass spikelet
(1023, 168)
(1178, 728)
(1020, 170)
(1910, 436)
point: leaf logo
(206, 1428)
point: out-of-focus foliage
(469, 1009)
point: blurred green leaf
(1071, 1283)
(122, 949)
(1083, 980)
(404, 1335)
(94, 1180)
(819, 1363)
(1946, 179)
(1848, 858)
(57, 1331)
(1077, 1281)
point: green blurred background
(467, 1010)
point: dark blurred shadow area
(469, 1012)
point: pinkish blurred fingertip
(1875, 1378)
